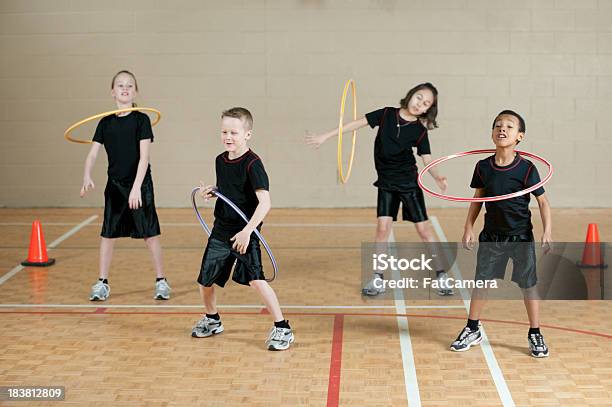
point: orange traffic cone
(592, 255)
(37, 255)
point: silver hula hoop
(242, 215)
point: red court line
(335, 364)
(317, 314)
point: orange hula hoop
(69, 130)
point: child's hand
(88, 185)
(468, 239)
(241, 241)
(442, 183)
(547, 242)
(135, 199)
(207, 191)
(314, 140)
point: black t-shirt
(393, 156)
(121, 137)
(237, 179)
(510, 216)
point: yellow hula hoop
(343, 178)
(97, 116)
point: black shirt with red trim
(510, 216)
(121, 137)
(393, 155)
(237, 179)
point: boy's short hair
(240, 113)
(511, 113)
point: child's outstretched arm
(468, 239)
(88, 183)
(544, 206)
(241, 239)
(440, 180)
(316, 140)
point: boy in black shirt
(507, 232)
(241, 177)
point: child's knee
(531, 293)
(480, 293)
(424, 230)
(258, 285)
(383, 230)
(255, 284)
(149, 240)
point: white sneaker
(206, 327)
(444, 286)
(162, 290)
(279, 338)
(466, 339)
(99, 291)
(372, 289)
(537, 346)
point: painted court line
(53, 244)
(487, 350)
(335, 363)
(98, 309)
(72, 231)
(410, 376)
(229, 306)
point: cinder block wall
(287, 61)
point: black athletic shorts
(495, 250)
(219, 258)
(413, 204)
(120, 220)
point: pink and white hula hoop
(485, 198)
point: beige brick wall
(287, 61)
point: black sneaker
(537, 347)
(466, 339)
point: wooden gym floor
(349, 351)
